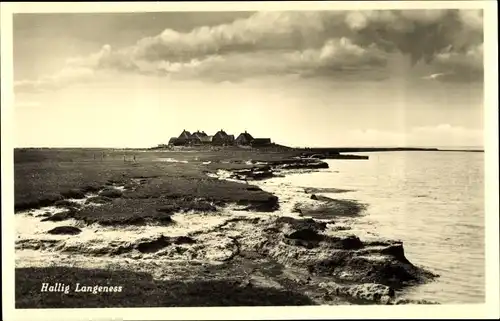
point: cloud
(438, 135)
(343, 53)
(461, 66)
(447, 135)
(261, 31)
(336, 57)
(306, 42)
(473, 19)
(416, 32)
(65, 77)
(436, 76)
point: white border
(490, 309)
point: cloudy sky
(316, 78)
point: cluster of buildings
(221, 138)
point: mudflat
(191, 227)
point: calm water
(432, 201)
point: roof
(245, 136)
(195, 137)
(185, 134)
(221, 132)
(231, 137)
(200, 134)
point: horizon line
(297, 147)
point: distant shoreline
(300, 149)
(385, 149)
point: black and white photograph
(249, 157)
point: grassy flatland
(213, 287)
(263, 268)
(44, 176)
(154, 190)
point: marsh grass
(141, 290)
(46, 176)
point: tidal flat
(192, 228)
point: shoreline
(299, 250)
(276, 147)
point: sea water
(432, 201)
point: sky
(302, 78)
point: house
(244, 139)
(220, 138)
(197, 138)
(194, 140)
(184, 138)
(261, 142)
(173, 141)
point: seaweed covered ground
(190, 228)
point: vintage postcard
(249, 160)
